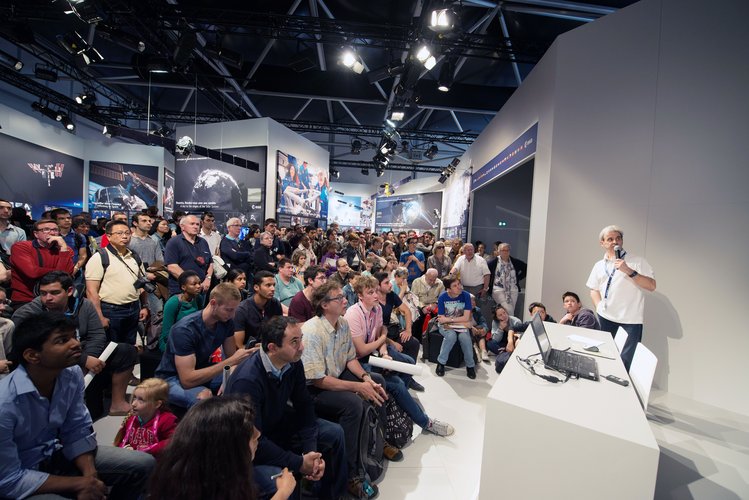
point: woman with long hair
(210, 455)
(161, 232)
(388, 250)
(439, 260)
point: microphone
(619, 252)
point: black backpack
(371, 443)
(399, 427)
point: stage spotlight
(404, 147)
(423, 54)
(86, 11)
(442, 20)
(87, 99)
(120, 37)
(446, 77)
(73, 42)
(107, 132)
(397, 114)
(430, 63)
(67, 123)
(11, 61)
(46, 111)
(431, 152)
(44, 73)
(355, 147)
(334, 174)
(365, 171)
(352, 61)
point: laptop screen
(539, 331)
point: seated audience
(299, 261)
(238, 278)
(338, 383)
(576, 314)
(210, 456)
(341, 274)
(186, 364)
(187, 251)
(30, 260)
(260, 306)
(454, 320)
(413, 260)
(370, 337)
(427, 289)
(56, 294)
(301, 305)
(400, 340)
(265, 258)
(479, 330)
(150, 425)
(181, 305)
(505, 330)
(47, 442)
(284, 413)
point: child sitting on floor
(150, 425)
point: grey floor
(704, 450)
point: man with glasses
(301, 305)
(112, 289)
(33, 259)
(232, 249)
(338, 383)
(9, 234)
(187, 251)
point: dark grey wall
(507, 199)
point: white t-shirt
(626, 301)
(472, 271)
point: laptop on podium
(562, 361)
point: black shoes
(415, 386)
(441, 370)
(471, 372)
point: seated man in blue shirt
(284, 413)
(186, 364)
(47, 443)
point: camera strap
(136, 258)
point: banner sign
(520, 150)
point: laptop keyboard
(568, 362)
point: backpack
(398, 425)
(371, 443)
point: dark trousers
(331, 443)
(346, 408)
(410, 347)
(123, 321)
(634, 332)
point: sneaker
(484, 356)
(476, 351)
(415, 386)
(361, 488)
(440, 428)
(440, 370)
(392, 453)
(471, 372)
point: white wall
(642, 123)
(259, 132)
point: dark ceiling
(229, 60)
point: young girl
(238, 278)
(179, 306)
(150, 425)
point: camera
(143, 283)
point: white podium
(581, 439)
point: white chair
(642, 371)
(621, 338)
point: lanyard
(116, 253)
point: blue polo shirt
(189, 256)
(413, 268)
(190, 336)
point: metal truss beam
(402, 167)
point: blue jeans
(397, 387)
(125, 471)
(635, 335)
(187, 398)
(331, 443)
(403, 358)
(449, 337)
(123, 321)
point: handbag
(398, 425)
(413, 304)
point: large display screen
(411, 211)
(120, 187)
(205, 184)
(167, 197)
(302, 187)
(346, 210)
(455, 216)
(38, 178)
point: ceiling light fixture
(11, 61)
(397, 114)
(365, 171)
(45, 73)
(431, 152)
(120, 37)
(334, 174)
(442, 20)
(446, 77)
(87, 99)
(355, 147)
(352, 61)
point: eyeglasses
(337, 298)
(120, 233)
(48, 230)
(234, 225)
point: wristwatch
(633, 274)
